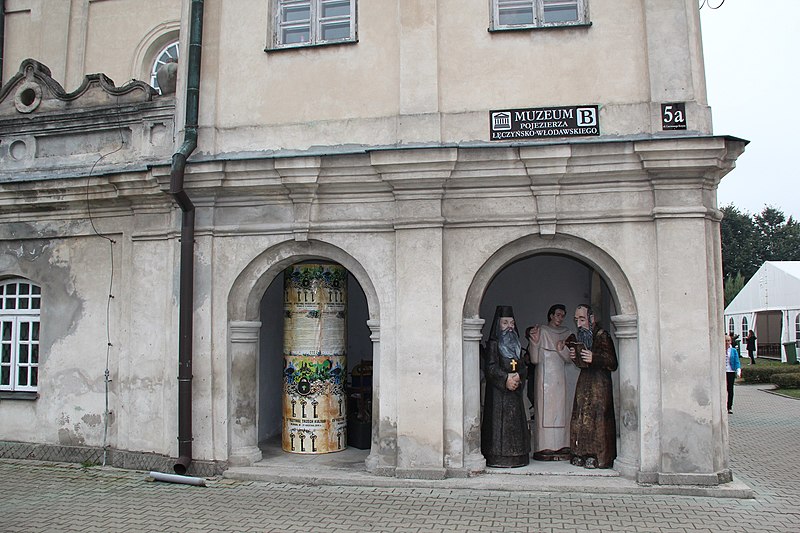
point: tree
(739, 243)
(750, 240)
(732, 286)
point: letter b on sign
(586, 116)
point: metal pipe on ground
(174, 478)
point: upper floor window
(168, 53)
(313, 22)
(20, 307)
(513, 14)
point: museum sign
(544, 122)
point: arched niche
(625, 330)
(244, 325)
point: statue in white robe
(551, 405)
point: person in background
(751, 346)
(732, 369)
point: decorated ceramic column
(315, 366)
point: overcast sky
(752, 57)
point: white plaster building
(564, 155)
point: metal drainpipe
(185, 326)
(2, 37)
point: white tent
(769, 304)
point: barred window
(300, 23)
(516, 14)
(20, 307)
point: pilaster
(627, 336)
(243, 393)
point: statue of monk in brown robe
(593, 428)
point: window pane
(5, 375)
(5, 354)
(332, 32)
(36, 290)
(561, 14)
(22, 376)
(295, 35)
(36, 303)
(296, 14)
(24, 303)
(24, 288)
(23, 354)
(11, 288)
(11, 303)
(35, 336)
(6, 331)
(35, 354)
(24, 331)
(560, 11)
(34, 376)
(516, 16)
(336, 8)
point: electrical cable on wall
(111, 242)
(707, 3)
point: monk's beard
(509, 345)
(585, 336)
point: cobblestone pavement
(765, 432)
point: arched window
(731, 326)
(797, 329)
(744, 327)
(171, 51)
(20, 308)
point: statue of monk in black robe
(593, 428)
(505, 435)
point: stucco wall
(86, 37)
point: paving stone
(49, 496)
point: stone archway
(625, 329)
(243, 335)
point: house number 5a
(673, 116)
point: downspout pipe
(2, 37)
(186, 306)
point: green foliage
(750, 240)
(787, 380)
(792, 393)
(764, 373)
(732, 286)
(738, 234)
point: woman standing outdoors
(732, 369)
(750, 341)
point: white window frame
(170, 51)
(314, 24)
(537, 9)
(13, 319)
(797, 329)
(745, 327)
